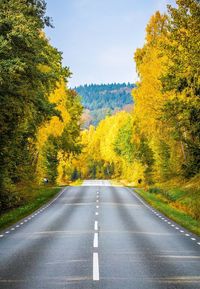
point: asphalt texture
(98, 236)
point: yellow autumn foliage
(54, 127)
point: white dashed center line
(95, 267)
(95, 242)
(96, 225)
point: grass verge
(179, 216)
(34, 199)
(176, 198)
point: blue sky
(98, 37)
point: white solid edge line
(95, 242)
(147, 206)
(172, 225)
(95, 267)
(32, 216)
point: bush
(195, 206)
(155, 190)
(162, 192)
(9, 200)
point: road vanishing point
(98, 236)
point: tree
(29, 70)
(182, 80)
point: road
(98, 236)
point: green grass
(163, 204)
(34, 199)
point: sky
(98, 37)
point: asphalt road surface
(98, 236)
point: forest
(100, 100)
(40, 118)
(160, 140)
(96, 96)
(39, 114)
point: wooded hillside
(100, 100)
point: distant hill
(104, 99)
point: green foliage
(8, 201)
(184, 118)
(182, 46)
(161, 140)
(30, 69)
(113, 95)
(95, 169)
(124, 146)
(66, 142)
(175, 213)
(51, 149)
(182, 76)
(164, 160)
(31, 199)
(104, 99)
(145, 155)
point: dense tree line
(31, 74)
(111, 96)
(161, 140)
(40, 116)
(101, 100)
